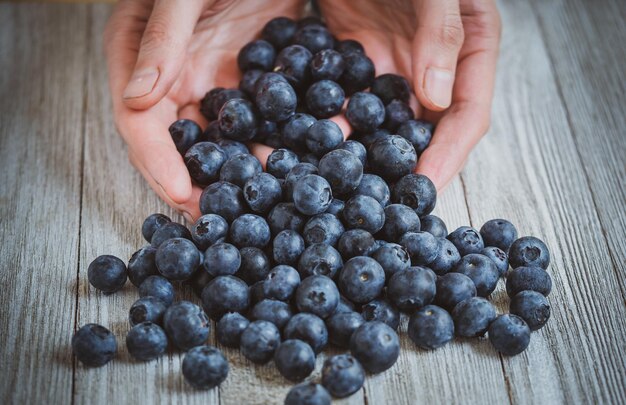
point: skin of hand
(447, 49)
(162, 57)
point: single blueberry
(336, 208)
(529, 251)
(247, 84)
(392, 258)
(262, 192)
(391, 87)
(169, 231)
(323, 136)
(381, 310)
(327, 64)
(281, 283)
(255, 265)
(416, 191)
(422, 247)
(215, 99)
(325, 99)
(364, 212)
(294, 359)
(312, 194)
(528, 278)
(275, 98)
(205, 367)
(467, 240)
(258, 54)
(259, 341)
(184, 133)
(94, 345)
(412, 288)
(376, 346)
(509, 334)
(274, 311)
(208, 229)
(294, 131)
(314, 37)
(157, 287)
(399, 219)
(323, 228)
(146, 341)
(309, 328)
(240, 168)
(107, 273)
(348, 46)
(225, 294)
(279, 31)
(250, 230)
(285, 216)
(229, 328)
(362, 279)
(221, 259)
(186, 325)
(392, 157)
(212, 134)
(473, 316)
(418, 132)
(340, 327)
(293, 63)
(367, 139)
(356, 242)
(287, 247)
(146, 309)
(434, 225)
(342, 169)
(499, 233)
(295, 174)
(397, 112)
(152, 223)
(358, 74)
(224, 199)
(500, 259)
(482, 270)
(532, 307)
(232, 148)
(280, 162)
(453, 288)
(310, 158)
(358, 150)
(342, 375)
(319, 259)
(199, 280)
(365, 112)
(141, 265)
(431, 327)
(307, 393)
(204, 161)
(238, 119)
(318, 295)
(374, 186)
(177, 259)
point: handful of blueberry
(331, 245)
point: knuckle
(451, 34)
(157, 34)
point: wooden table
(554, 162)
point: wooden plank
(578, 356)
(585, 43)
(41, 110)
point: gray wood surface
(554, 162)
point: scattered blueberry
(418, 132)
(279, 31)
(324, 99)
(293, 63)
(258, 54)
(141, 265)
(177, 259)
(285, 216)
(412, 288)
(447, 258)
(240, 168)
(358, 74)
(205, 367)
(280, 162)
(342, 169)
(255, 265)
(416, 191)
(186, 325)
(365, 112)
(157, 287)
(287, 247)
(314, 37)
(356, 242)
(204, 161)
(262, 192)
(225, 294)
(259, 341)
(229, 328)
(152, 223)
(361, 280)
(473, 316)
(319, 259)
(94, 345)
(509, 334)
(528, 278)
(168, 231)
(399, 219)
(323, 228)
(318, 295)
(435, 225)
(185, 133)
(281, 283)
(497, 256)
(397, 113)
(107, 273)
(482, 270)
(467, 240)
(274, 311)
(147, 309)
(499, 233)
(274, 97)
(431, 327)
(453, 288)
(376, 346)
(364, 212)
(250, 230)
(391, 87)
(529, 251)
(342, 375)
(208, 229)
(423, 247)
(307, 393)
(238, 119)
(294, 359)
(327, 64)
(308, 328)
(532, 307)
(294, 131)
(312, 194)
(392, 258)
(146, 341)
(222, 259)
(392, 157)
(224, 199)
(340, 327)
(358, 150)
(381, 310)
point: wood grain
(41, 110)
(540, 186)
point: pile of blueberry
(328, 246)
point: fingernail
(438, 86)
(187, 216)
(141, 83)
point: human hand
(163, 56)
(447, 49)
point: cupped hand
(163, 56)
(447, 49)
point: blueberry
(199, 280)
(232, 148)
(529, 251)
(274, 141)
(342, 375)
(473, 316)
(294, 359)
(285, 216)
(422, 247)
(307, 393)
(327, 64)
(214, 100)
(308, 328)
(267, 129)
(238, 120)
(500, 259)
(365, 112)
(94, 345)
(295, 174)
(323, 136)
(392, 157)
(256, 292)
(317, 295)
(341, 325)
(412, 288)
(467, 240)
(374, 186)
(319, 259)
(224, 199)
(275, 98)
(345, 306)
(356, 242)
(358, 74)
(381, 310)
(348, 46)
(281, 283)
(453, 288)
(177, 259)
(141, 265)
(247, 84)
(312, 195)
(431, 327)
(280, 162)
(342, 169)
(157, 287)
(389, 87)
(107, 273)
(416, 191)
(310, 158)
(185, 133)
(399, 219)
(250, 230)
(481, 270)
(418, 132)
(274, 311)
(369, 138)
(205, 367)
(258, 54)
(293, 63)
(376, 346)
(255, 265)
(225, 294)
(362, 279)
(146, 309)
(146, 341)
(358, 150)
(279, 31)
(528, 278)
(499, 233)
(168, 231)
(152, 223)
(314, 37)
(434, 225)
(323, 228)
(262, 192)
(287, 247)
(212, 134)
(336, 208)
(532, 307)
(240, 168)
(392, 258)
(229, 329)
(325, 99)
(221, 259)
(259, 341)
(397, 113)
(294, 131)
(509, 334)
(208, 229)
(186, 325)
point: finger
(438, 39)
(162, 51)
(462, 126)
(260, 151)
(191, 111)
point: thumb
(436, 47)
(162, 51)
